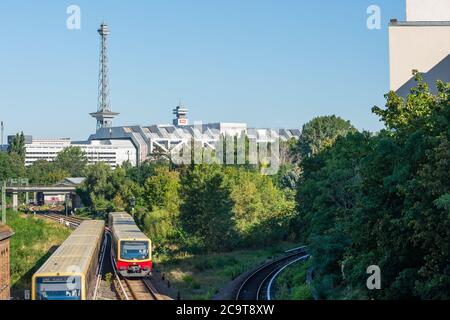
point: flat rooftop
(5, 232)
(395, 23)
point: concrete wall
(424, 48)
(428, 10)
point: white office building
(112, 152)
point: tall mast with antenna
(104, 115)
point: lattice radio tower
(104, 115)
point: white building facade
(112, 152)
(421, 43)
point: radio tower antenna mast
(104, 115)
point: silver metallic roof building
(171, 138)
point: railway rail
(100, 267)
(141, 289)
(69, 221)
(259, 284)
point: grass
(291, 284)
(33, 242)
(199, 277)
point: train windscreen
(58, 288)
(134, 250)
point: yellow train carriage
(70, 272)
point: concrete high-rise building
(420, 43)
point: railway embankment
(33, 242)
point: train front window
(58, 288)
(134, 250)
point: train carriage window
(58, 288)
(134, 250)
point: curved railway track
(259, 284)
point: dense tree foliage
(320, 133)
(383, 200)
(45, 173)
(106, 190)
(162, 200)
(17, 146)
(206, 213)
(72, 160)
(11, 166)
(202, 207)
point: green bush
(302, 292)
(190, 281)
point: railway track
(141, 289)
(259, 284)
(100, 267)
(71, 222)
(70, 219)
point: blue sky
(270, 63)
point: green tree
(320, 133)
(17, 146)
(106, 190)
(141, 173)
(161, 226)
(162, 190)
(383, 200)
(261, 211)
(97, 187)
(11, 166)
(44, 172)
(72, 160)
(206, 210)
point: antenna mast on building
(181, 118)
(104, 115)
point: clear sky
(270, 63)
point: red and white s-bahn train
(131, 249)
